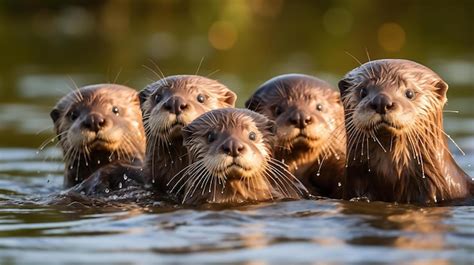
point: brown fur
(165, 155)
(122, 133)
(227, 165)
(310, 140)
(398, 153)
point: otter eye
(115, 110)
(158, 98)
(319, 107)
(252, 136)
(201, 98)
(211, 137)
(73, 115)
(410, 94)
(363, 92)
(278, 111)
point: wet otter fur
(100, 131)
(168, 105)
(230, 161)
(396, 148)
(310, 129)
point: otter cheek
(76, 137)
(114, 134)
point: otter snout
(233, 147)
(94, 122)
(175, 105)
(382, 104)
(300, 119)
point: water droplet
(98, 162)
(339, 184)
(71, 167)
(125, 177)
(369, 169)
(107, 190)
(120, 185)
(172, 162)
(153, 181)
(87, 164)
(318, 174)
(423, 176)
(110, 159)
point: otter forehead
(223, 119)
(293, 87)
(98, 95)
(189, 83)
(391, 72)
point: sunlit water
(39, 223)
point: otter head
(230, 160)
(173, 102)
(231, 144)
(392, 97)
(100, 118)
(305, 109)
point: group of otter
(380, 138)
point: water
(90, 43)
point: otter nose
(382, 104)
(233, 147)
(176, 105)
(300, 119)
(94, 122)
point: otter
(396, 147)
(310, 129)
(100, 131)
(168, 105)
(230, 161)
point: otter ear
(441, 88)
(143, 95)
(336, 97)
(55, 114)
(253, 103)
(230, 98)
(271, 126)
(343, 85)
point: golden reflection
(266, 8)
(391, 37)
(222, 35)
(425, 226)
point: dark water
(42, 45)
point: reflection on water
(53, 46)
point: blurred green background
(242, 43)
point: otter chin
(230, 161)
(396, 147)
(99, 127)
(169, 105)
(310, 129)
